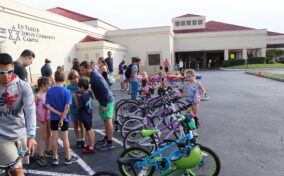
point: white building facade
(61, 35)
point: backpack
(128, 71)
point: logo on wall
(24, 33)
(14, 34)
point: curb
(263, 76)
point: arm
(30, 110)
(66, 110)
(202, 89)
(53, 110)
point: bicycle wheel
(131, 124)
(210, 164)
(125, 110)
(130, 169)
(118, 103)
(135, 139)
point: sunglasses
(8, 72)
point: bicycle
(5, 170)
(188, 158)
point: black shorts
(87, 123)
(54, 125)
(166, 69)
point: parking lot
(243, 123)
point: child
(194, 90)
(43, 116)
(126, 83)
(58, 100)
(73, 87)
(85, 111)
(145, 84)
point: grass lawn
(257, 66)
(268, 74)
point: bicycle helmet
(190, 161)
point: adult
(109, 62)
(133, 78)
(76, 65)
(17, 131)
(105, 98)
(46, 69)
(25, 59)
(166, 65)
(121, 74)
(103, 69)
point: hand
(104, 109)
(31, 143)
(60, 123)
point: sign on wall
(24, 33)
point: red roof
(215, 26)
(89, 38)
(70, 14)
(188, 15)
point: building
(61, 35)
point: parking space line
(36, 172)
(113, 139)
(81, 162)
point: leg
(64, 136)
(42, 130)
(108, 129)
(54, 143)
(48, 136)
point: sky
(126, 14)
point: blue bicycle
(176, 157)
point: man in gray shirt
(17, 131)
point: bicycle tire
(135, 139)
(131, 124)
(130, 153)
(120, 115)
(105, 173)
(201, 170)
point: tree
(274, 54)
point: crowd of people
(56, 104)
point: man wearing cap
(46, 69)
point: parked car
(281, 60)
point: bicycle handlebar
(21, 154)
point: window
(188, 23)
(154, 59)
(199, 22)
(182, 23)
(177, 23)
(194, 22)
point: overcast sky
(124, 14)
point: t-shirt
(46, 70)
(57, 97)
(21, 71)
(109, 62)
(74, 88)
(134, 68)
(100, 89)
(120, 69)
(86, 105)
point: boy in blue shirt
(58, 100)
(86, 113)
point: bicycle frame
(153, 159)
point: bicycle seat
(147, 133)
(128, 161)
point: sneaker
(72, 159)
(55, 161)
(196, 122)
(106, 146)
(101, 142)
(88, 150)
(48, 153)
(42, 161)
(205, 98)
(78, 144)
(82, 143)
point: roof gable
(70, 14)
(188, 15)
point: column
(263, 52)
(245, 54)
(226, 54)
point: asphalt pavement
(243, 122)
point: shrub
(233, 62)
(256, 60)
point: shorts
(109, 112)
(166, 69)
(74, 117)
(9, 152)
(87, 122)
(54, 125)
(121, 77)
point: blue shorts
(74, 117)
